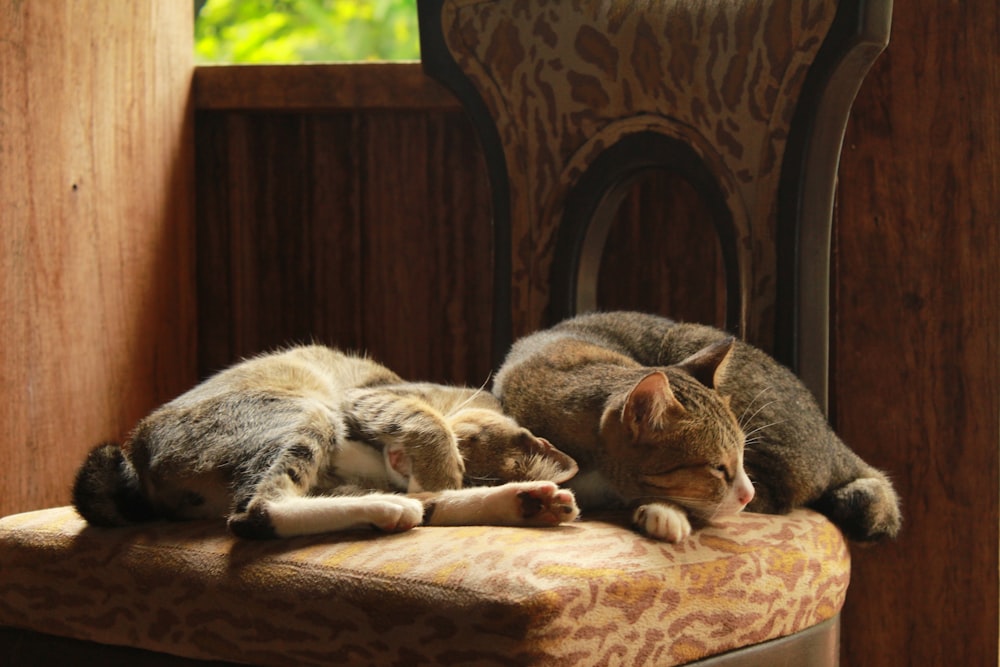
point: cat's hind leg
(278, 504)
(513, 504)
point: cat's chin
(729, 509)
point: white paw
(663, 522)
(393, 515)
(541, 503)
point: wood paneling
(368, 231)
(916, 381)
(96, 270)
(315, 87)
(662, 254)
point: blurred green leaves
(286, 31)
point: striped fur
(310, 440)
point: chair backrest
(746, 99)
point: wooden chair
(746, 101)
(570, 103)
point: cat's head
(674, 437)
(497, 450)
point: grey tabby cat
(311, 440)
(648, 407)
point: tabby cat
(311, 440)
(655, 413)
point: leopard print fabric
(589, 593)
(565, 80)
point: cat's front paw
(394, 515)
(527, 504)
(545, 504)
(662, 522)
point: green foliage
(271, 31)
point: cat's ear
(561, 467)
(708, 365)
(651, 405)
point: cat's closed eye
(723, 470)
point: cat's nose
(743, 489)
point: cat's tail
(107, 491)
(866, 509)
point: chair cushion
(593, 592)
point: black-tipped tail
(866, 510)
(106, 491)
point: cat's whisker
(474, 394)
(483, 480)
(750, 405)
(718, 508)
(750, 434)
(743, 420)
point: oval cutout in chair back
(647, 227)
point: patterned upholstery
(563, 84)
(593, 592)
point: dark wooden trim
(315, 87)
(439, 63)
(859, 33)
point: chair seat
(593, 592)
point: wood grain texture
(916, 381)
(277, 235)
(368, 231)
(662, 254)
(332, 87)
(96, 261)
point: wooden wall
(344, 225)
(916, 376)
(96, 254)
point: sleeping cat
(311, 440)
(655, 412)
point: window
(291, 31)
